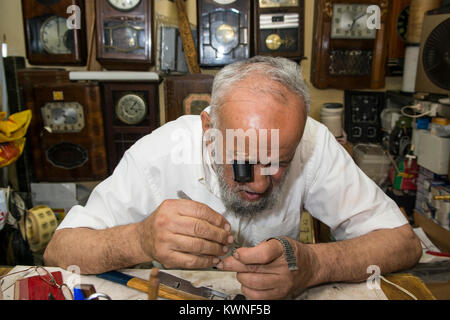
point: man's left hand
(263, 271)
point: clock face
(55, 37)
(131, 109)
(124, 5)
(277, 3)
(349, 21)
(63, 117)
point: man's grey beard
(234, 203)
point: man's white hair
(278, 69)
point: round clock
(55, 37)
(131, 109)
(124, 5)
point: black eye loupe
(243, 172)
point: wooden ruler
(307, 234)
(190, 51)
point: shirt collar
(206, 174)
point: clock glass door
(124, 37)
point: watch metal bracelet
(288, 253)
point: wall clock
(125, 34)
(187, 95)
(68, 143)
(347, 54)
(48, 38)
(398, 27)
(223, 31)
(131, 111)
(279, 28)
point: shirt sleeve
(125, 197)
(343, 197)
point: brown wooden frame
(122, 60)
(31, 9)
(300, 9)
(111, 126)
(204, 6)
(322, 44)
(37, 89)
(176, 89)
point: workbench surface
(227, 283)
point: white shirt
(323, 179)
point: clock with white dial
(63, 117)
(55, 37)
(349, 21)
(131, 109)
(124, 5)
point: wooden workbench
(407, 281)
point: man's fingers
(201, 211)
(258, 281)
(190, 261)
(252, 294)
(263, 253)
(234, 265)
(198, 246)
(199, 228)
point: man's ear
(206, 121)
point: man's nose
(260, 182)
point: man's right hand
(185, 234)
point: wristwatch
(288, 253)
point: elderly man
(184, 197)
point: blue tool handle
(116, 277)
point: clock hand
(59, 36)
(354, 20)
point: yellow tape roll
(39, 227)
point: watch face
(277, 3)
(402, 23)
(55, 37)
(349, 21)
(63, 117)
(124, 5)
(131, 109)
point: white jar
(331, 116)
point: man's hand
(263, 271)
(185, 234)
